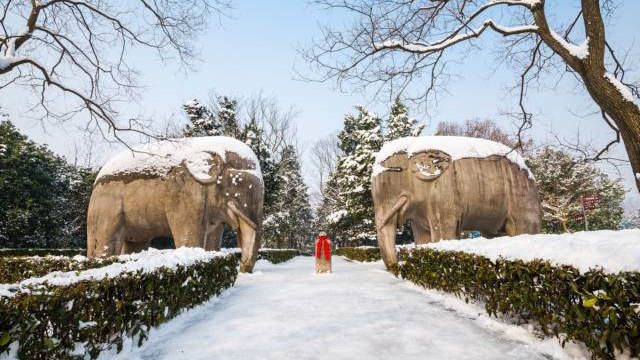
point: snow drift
(613, 251)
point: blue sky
(254, 51)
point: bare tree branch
(397, 45)
(82, 50)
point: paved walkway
(360, 311)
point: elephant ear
(430, 164)
(205, 167)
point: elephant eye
(395, 169)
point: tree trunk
(564, 226)
(624, 112)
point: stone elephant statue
(185, 189)
(445, 185)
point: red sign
(590, 202)
(579, 218)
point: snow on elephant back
(449, 184)
(180, 188)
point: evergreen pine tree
(228, 117)
(400, 124)
(562, 182)
(288, 224)
(202, 121)
(43, 198)
(360, 139)
(253, 135)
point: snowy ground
(360, 311)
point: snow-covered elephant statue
(181, 188)
(447, 184)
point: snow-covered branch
(90, 43)
(449, 41)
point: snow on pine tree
(253, 135)
(359, 141)
(400, 124)
(288, 224)
(202, 121)
(562, 181)
(228, 118)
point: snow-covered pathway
(360, 311)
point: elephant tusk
(241, 215)
(201, 181)
(396, 207)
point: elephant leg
(443, 227)
(104, 229)
(106, 237)
(513, 227)
(130, 247)
(187, 231)
(421, 234)
(213, 241)
(522, 225)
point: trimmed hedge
(42, 252)
(364, 254)
(16, 269)
(276, 256)
(601, 310)
(48, 322)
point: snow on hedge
(160, 157)
(614, 251)
(458, 147)
(147, 261)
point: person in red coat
(323, 253)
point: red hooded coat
(322, 244)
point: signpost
(588, 203)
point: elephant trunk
(387, 244)
(248, 241)
(248, 237)
(387, 222)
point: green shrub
(16, 269)
(276, 256)
(48, 321)
(42, 252)
(601, 310)
(364, 254)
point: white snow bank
(614, 251)
(160, 157)
(147, 261)
(458, 147)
